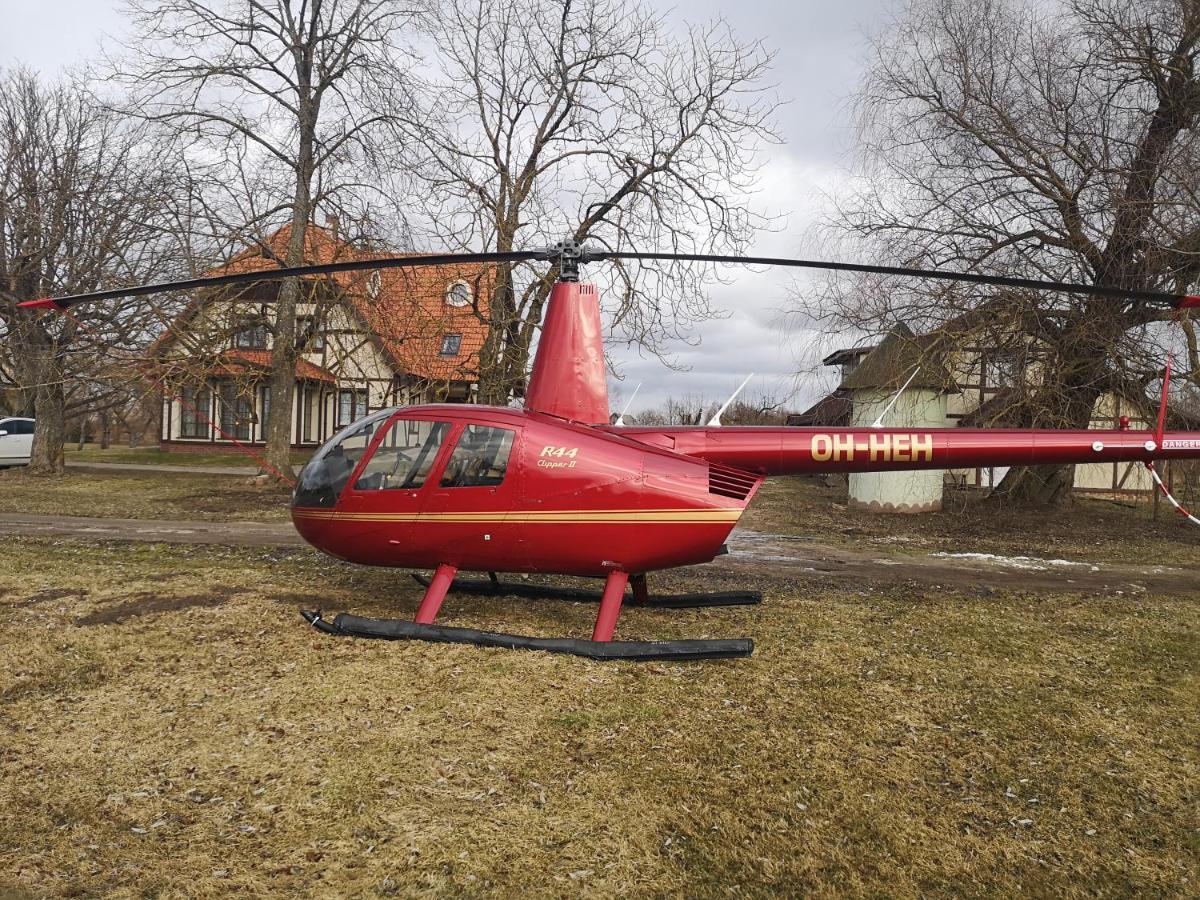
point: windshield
(326, 474)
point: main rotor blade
(585, 255)
(1178, 301)
(384, 262)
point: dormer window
(458, 294)
(251, 334)
(451, 344)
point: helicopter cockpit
(323, 479)
(403, 458)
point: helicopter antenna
(878, 423)
(620, 423)
(715, 421)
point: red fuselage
(573, 500)
(585, 500)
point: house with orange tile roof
(367, 340)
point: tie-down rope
(1179, 507)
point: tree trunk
(50, 431)
(283, 355)
(1035, 486)
(493, 387)
(1080, 374)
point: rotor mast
(569, 377)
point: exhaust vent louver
(727, 482)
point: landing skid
(646, 651)
(601, 646)
(494, 587)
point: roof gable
(404, 311)
(899, 355)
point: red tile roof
(234, 362)
(407, 316)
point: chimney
(332, 224)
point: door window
(404, 456)
(480, 458)
(236, 412)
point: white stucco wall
(902, 492)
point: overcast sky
(821, 51)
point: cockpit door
(472, 505)
(383, 504)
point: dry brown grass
(1088, 528)
(142, 495)
(154, 456)
(169, 727)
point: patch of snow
(1031, 563)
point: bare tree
(84, 204)
(290, 97)
(1049, 142)
(587, 119)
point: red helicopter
(554, 488)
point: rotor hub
(568, 254)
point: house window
(264, 409)
(352, 405)
(195, 410)
(458, 294)
(374, 283)
(236, 413)
(451, 344)
(251, 334)
(310, 336)
(308, 412)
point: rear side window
(480, 458)
(404, 456)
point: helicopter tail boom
(792, 451)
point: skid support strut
(435, 594)
(610, 605)
(494, 587)
(641, 593)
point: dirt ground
(169, 726)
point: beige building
(367, 340)
(873, 387)
(963, 393)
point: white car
(16, 441)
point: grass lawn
(142, 495)
(1088, 528)
(157, 457)
(168, 726)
